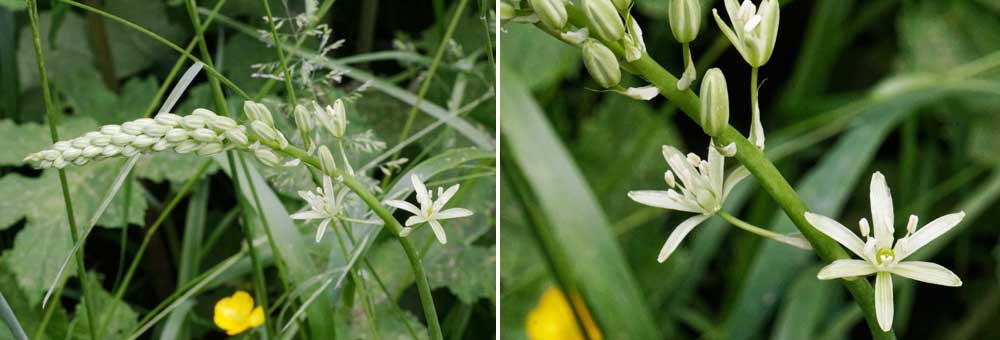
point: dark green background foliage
(203, 228)
(853, 87)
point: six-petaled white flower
(754, 29)
(430, 210)
(702, 191)
(880, 256)
(327, 203)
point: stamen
(865, 228)
(669, 178)
(911, 225)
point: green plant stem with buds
(50, 112)
(767, 175)
(423, 287)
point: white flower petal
(452, 213)
(684, 170)
(678, 235)
(883, 300)
(661, 199)
(321, 229)
(404, 205)
(444, 197)
(882, 213)
(733, 179)
(641, 93)
(423, 197)
(438, 231)
(733, 38)
(927, 272)
(846, 268)
(929, 232)
(838, 232)
(716, 165)
(414, 220)
(307, 215)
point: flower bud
(204, 135)
(132, 128)
(604, 19)
(333, 118)
(551, 12)
(237, 136)
(209, 148)
(188, 122)
(221, 123)
(258, 112)
(326, 162)
(714, 102)
(685, 19)
(176, 135)
(506, 12)
(302, 119)
(167, 119)
(186, 146)
(143, 141)
(601, 63)
(265, 156)
(204, 113)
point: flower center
(885, 255)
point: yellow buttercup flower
(236, 313)
(552, 318)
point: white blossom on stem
(431, 211)
(880, 255)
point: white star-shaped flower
(754, 30)
(702, 191)
(326, 204)
(430, 210)
(880, 256)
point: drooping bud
(266, 156)
(326, 162)
(714, 102)
(601, 63)
(551, 12)
(258, 112)
(685, 19)
(604, 19)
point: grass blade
(10, 319)
(599, 271)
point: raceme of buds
(714, 102)
(202, 132)
(551, 12)
(601, 63)
(685, 19)
(604, 19)
(754, 29)
(326, 162)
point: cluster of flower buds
(202, 132)
(262, 124)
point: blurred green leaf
(70, 54)
(132, 51)
(123, 319)
(468, 271)
(541, 62)
(806, 307)
(599, 271)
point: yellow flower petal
(553, 319)
(242, 302)
(256, 317)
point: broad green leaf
(123, 319)
(132, 51)
(599, 270)
(23, 139)
(72, 53)
(467, 270)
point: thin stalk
(365, 302)
(127, 279)
(50, 113)
(423, 287)
(49, 310)
(7, 314)
(378, 280)
(746, 226)
(278, 260)
(425, 85)
(767, 175)
(755, 113)
(123, 240)
(292, 100)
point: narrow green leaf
(599, 270)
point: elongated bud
(685, 19)
(326, 162)
(714, 102)
(339, 115)
(258, 112)
(551, 12)
(601, 63)
(266, 156)
(302, 118)
(604, 19)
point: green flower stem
(735, 221)
(423, 287)
(50, 112)
(767, 175)
(425, 85)
(754, 114)
(7, 314)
